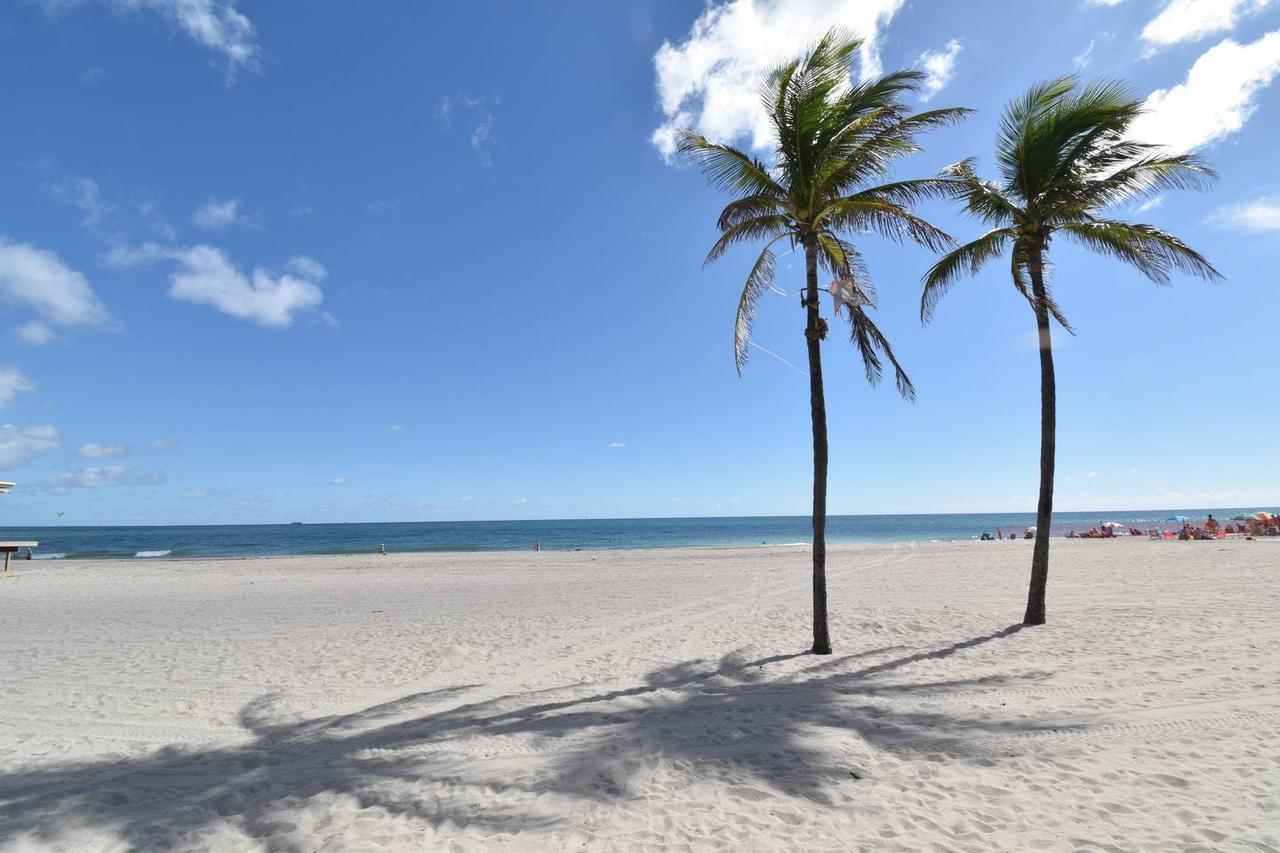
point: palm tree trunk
(814, 334)
(1035, 614)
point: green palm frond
(868, 213)
(747, 231)
(837, 141)
(1147, 249)
(969, 258)
(1064, 156)
(872, 344)
(727, 168)
(842, 260)
(758, 281)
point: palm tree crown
(834, 140)
(1064, 158)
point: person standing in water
(537, 546)
(382, 549)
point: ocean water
(254, 540)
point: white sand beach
(646, 700)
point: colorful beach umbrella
(1244, 517)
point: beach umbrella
(1243, 517)
(1115, 525)
(1178, 518)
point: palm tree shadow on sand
(431, 759)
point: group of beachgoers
(1260, 524)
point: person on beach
(537, 546)
(1211, 525)
(382, 549)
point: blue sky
(395, 261)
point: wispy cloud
(217, 214)
(94, 75)
(1217, 98)
(58, 296)
(93, 450)
(109, 475)
(162, 445)
(939, 67)
(82, 193)
(338, 481)
(12, 383)
(217, 25)
(1259, 215)
(476, 116)
(19, 445)
(710, 80)
(617, 445)
(1192, 20)
(205, 276)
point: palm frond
(868, 213)
(1147, 249)
(727, 168)
(969, 258)
(758, 281)
(872, 344)
(748, 230)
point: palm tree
(835, 138)
(1064, 159)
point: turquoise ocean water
(253, 540)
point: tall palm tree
(835, 138)
(1064, 159)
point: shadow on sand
(434, 757)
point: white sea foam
(49, 556)
(153, 553)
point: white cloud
(477, 114)
(1093, 475)
(1260, 215)
(162, 445)
(1192, 20)
(339, 481)
(1084, 57)
(109, 475)
(37, 279)
(617, 445)
(34, 333)
(82, 193)
(710, 81)
(205, 276)
(1104, 2)
(215, 215)
(12, 383)
(399, 428)
(213, 24)
(1151, 204)
(93, 450)
(156, 221)
(1217, 98)
(22, 444)
(939, 66)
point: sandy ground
(646, 700)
